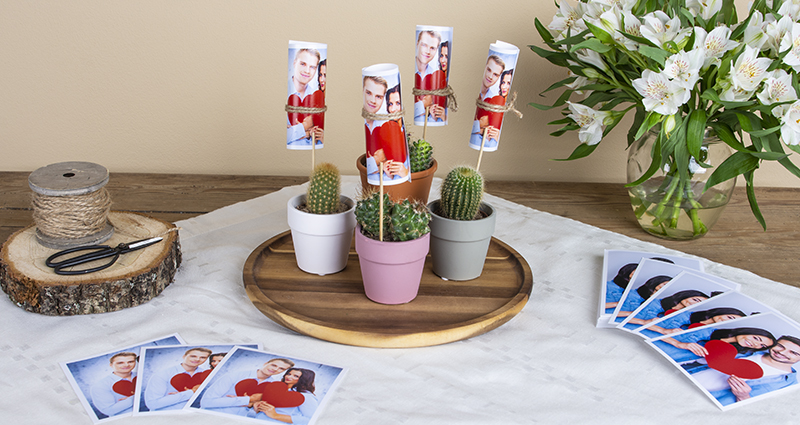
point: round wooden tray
(334, 307)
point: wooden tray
(334, 307)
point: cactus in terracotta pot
(402, 221)
(324, 190)
(462, 191)
(421, 153)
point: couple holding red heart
(303, 127)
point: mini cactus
(368, 214)
(421, 153)
(409, 220)
(462, 191)
(324, 190)
(403, 221)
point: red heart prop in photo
(278, 395)
(124, 387)
(183, 381)
(388, 137)
(274, 393)
(434, 81)
(314, 100)
(722, 357)
(495, 118)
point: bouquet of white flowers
(687, 68)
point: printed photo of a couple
(260, 386)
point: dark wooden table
(736, 240)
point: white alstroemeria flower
(790, 8)
(659, 93)
(659, 28)
(754, 35)
(684, 67)
(620, 4)
(715, 43)
(592, 57)
(791, 41)
(705, 8)
(778, 88)
(732, 94)
(568, 19)
(579, 82)
(749, 70)
(776, 31)
(592, 122)
(790, 130)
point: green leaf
(591, 44)
(738, 163)
(751, 198)
(543, 31)
(595, 87)
(695, 132)
(651, 120)
(762, 133)
(543, 107)
(726, 135)
(561, 83)
(638, 119)
(654, 166)
(581, 151)
(655, 53)
(639, 39)
(600, 33)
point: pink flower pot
(391, 271)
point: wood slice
(135, 278)
(334, 307)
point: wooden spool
(72, 178)
(135, 278)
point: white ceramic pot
(321, 241)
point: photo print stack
(734, 348)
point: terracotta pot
(391, 271)
(321, 241)
(459, 247)
(419, 187)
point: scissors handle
(97, 252)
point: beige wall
(197, 86)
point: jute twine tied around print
(71, 217)
(448, 92)
(491, 107)
(304, 109)
(381, 117)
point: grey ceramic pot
(458, 247)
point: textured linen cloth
(548, 365)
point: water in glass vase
(682, 217)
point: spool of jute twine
(448, 92)
(508, 107)
(70, 204)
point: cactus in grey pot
(324, 190)
(409, 220)
(403, 221)
(462, 191)
(421, 153)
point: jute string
(491, 107)
(305, 110)
(71, 217)
(448, 91)
(381, 117)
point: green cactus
(368, 214)
(421, 153)
(403, 221)
(462, 191)
(324, 190)
(409, 220)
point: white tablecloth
(548, 365)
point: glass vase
(671, 207)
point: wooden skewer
(380, 215)
(483, 143)
(313, 150)
(425, 124)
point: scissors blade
(143, 243)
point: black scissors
(98, 252)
